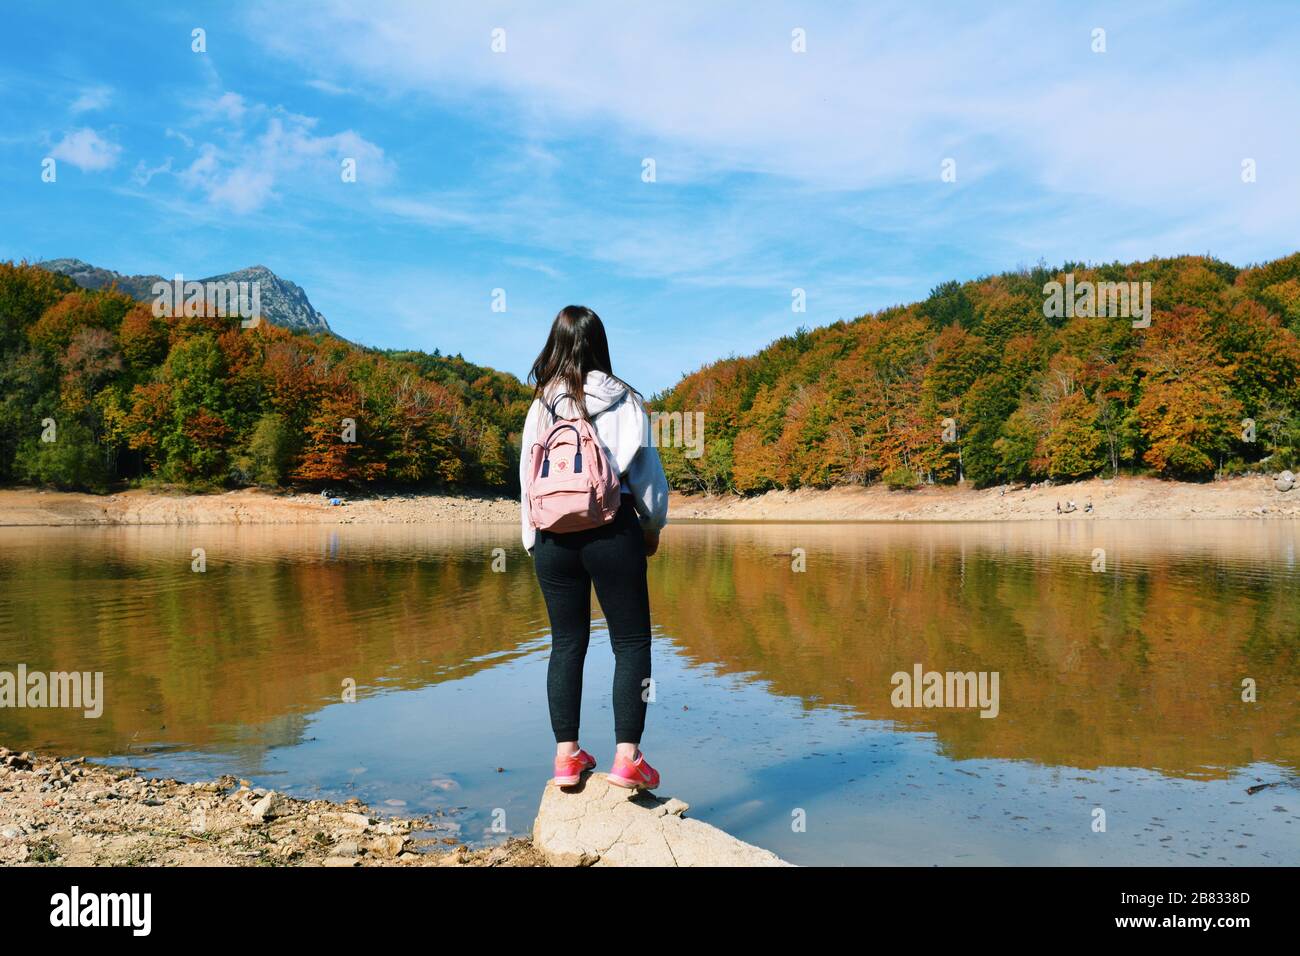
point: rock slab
(598, 824)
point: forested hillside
(94, 387)
(202, 402)
(1030, 396)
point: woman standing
(574, 382)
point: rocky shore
(57, 812)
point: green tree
(1017, 446)
(74, 460)
(270, 449)
(1074, 447)
(195, 437)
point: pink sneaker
(633, 774)
(568, 770)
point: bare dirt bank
(1119, 498)
(1122, 498)
(31, 506)
(73, 813)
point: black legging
(613, 558)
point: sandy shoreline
(73, 813)
(32, 507)
(1122, 498)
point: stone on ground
(598, 824)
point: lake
(1120, 685)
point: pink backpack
(573, 486)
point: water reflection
(1139, 666)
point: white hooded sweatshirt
(624, 430)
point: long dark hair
(576, 345)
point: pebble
(266, 807)
(388, 847)
(359, 820)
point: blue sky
(522, 170)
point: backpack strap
(577, 457)
(546, 451)
(550, 407)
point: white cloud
(533, 265)
(263, 149)
(143, 172)
(325, 86)
(94, 98)
(431, 211)
(86, 150)
(877, 94)
(1158, 123)
(242, 189)
(227, 106)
